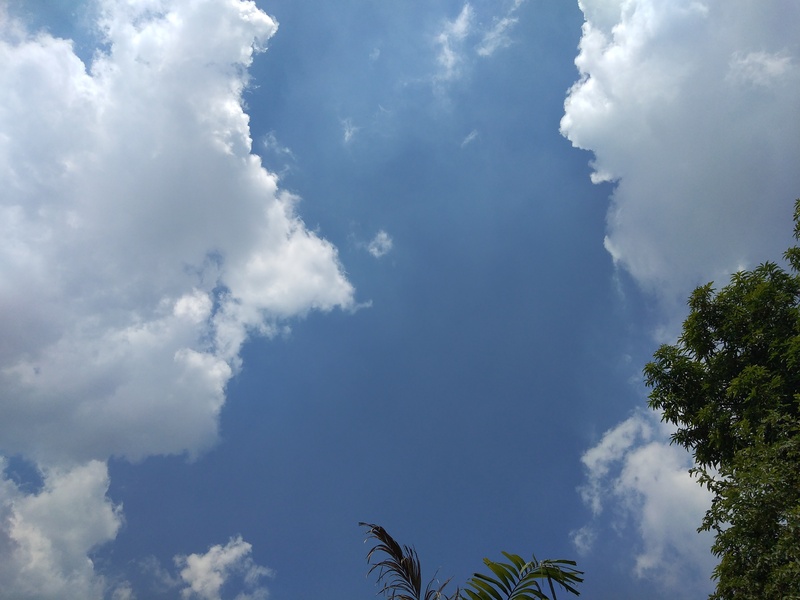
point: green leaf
(503, 571)
(516, 559)
(472, 595)
(477, 582)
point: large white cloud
(691, 108)
(141, 243)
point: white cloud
(45, 536)
(465, 34)
(635, 471)
(583, 539)
(380, 245)
(449, 41)
(349, 130)
(141, 244)
(760, 68)
(471, 137)
(497, 37)
(123, 592)
(158, 577)
(206, 574)
(276, 154)
(691, 107)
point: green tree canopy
(731, 386)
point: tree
(731, 385)
(400, 575)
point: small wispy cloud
(271, 143)
(759, 68)
(349, 130)
(497, 36)
(380, 245)
(450, 40)
(471, 137)
(583, 539)
(275, 154)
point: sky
(271, 269)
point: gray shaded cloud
(45, 536)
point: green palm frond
(521, 580)
(399, 572)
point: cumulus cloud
(380, 245)
(142, 241)
(45, 536)
(691, 109)
(204, 575)
(141, 244)
(634, 470)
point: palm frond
(399, 571)
(522, 580)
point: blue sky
(270, 269)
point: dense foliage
(400, 575)
(731, 385)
